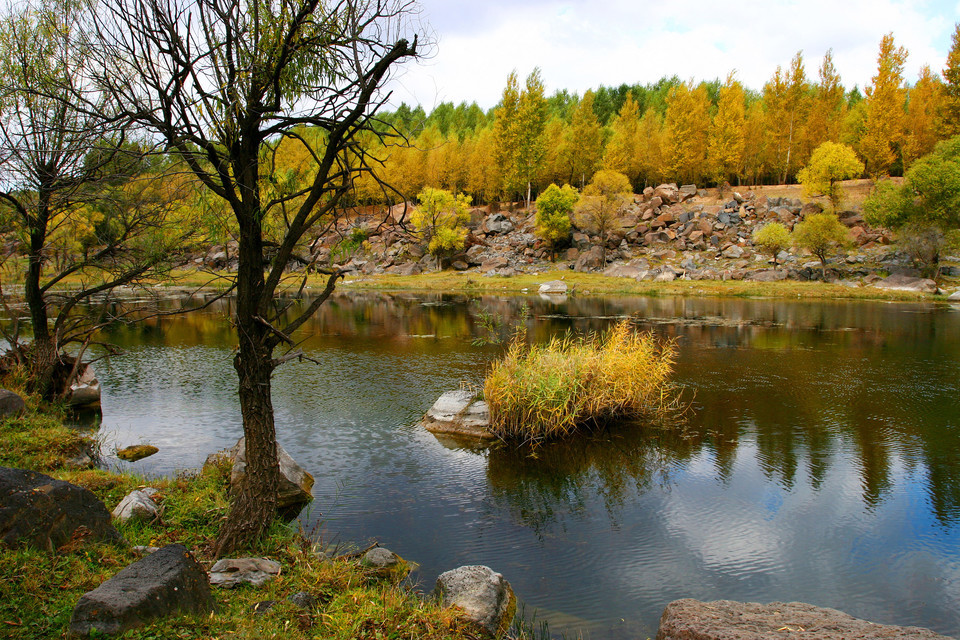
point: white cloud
(580, 45)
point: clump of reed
(542, 392)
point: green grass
(38, 590)
(541, 392)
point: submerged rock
(85, 392)
(167, 581)
(728, 620)
(459, 413)
(485, 597)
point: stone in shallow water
(729, 620)
(136, 452)
(459, 413)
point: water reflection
(821, 463)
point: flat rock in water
(554, 286)
(136, 452)
(165, 582)
(459, 413)
(85, 392)
(728, 620)
(39, 510)
(230, 572)
(483, 595)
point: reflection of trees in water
(541, 486)
(805, 380)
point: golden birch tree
(950, 111)
(583, 142)
(925, 101)
(623, 150)
(727, 134)
(685, 127)
(886, 97)
(827, 109)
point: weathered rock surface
(907, 283)
(728, 620)
(485, 597)
(136, 505)
(590, 260)
(459, 413)
(379, 558)
(295, 483)
(85, 392)
(230, 572)
(165, 582)
(11, 404)
(38, 510)
(553, 287)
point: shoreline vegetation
(39, 590)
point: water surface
(821, 462)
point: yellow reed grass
(542, 392)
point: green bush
(773, 238)
(821, 233)
(554, 207)
(830, 163)
(541, 392)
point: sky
(582, 44)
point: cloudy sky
(581, 44)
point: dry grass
(542, 392)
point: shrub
(540, 392)
(440, 219)
(602, 203)
(821, 233)
(554, 207)
(773, 238)
(830, 163)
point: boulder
(38, 510)
(85, 392)
(727, 620)
(767, 275)
(497, 223)
(590, 260)
(379, 558)
(459, 413)
(230, 572)
(669, 193)
(11, 404)
(136, 452)
(733, 252)
(496, 262)
(955, 296)
(688, 191)
(622, 271)
(136, 505)
(407, 269)
(165, 582)
(485, 597)
(554, 286)
(295, 483)
(907, 283)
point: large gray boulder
(295, 483)
(483, 595)
(590, 260)
(459, 413)
(38, 510)
(555, 287)
(11, 404)
(85, 391)
(165, 582)
(728, 620)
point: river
(820, 461)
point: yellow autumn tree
(685, 127)
(650, 148)
(786, 98)
(827, 107)
(950, 111)
(727, 134)
(924, 105)
(483, 177)
(755, 143)
(519, 133)
(623, 150)
(583, 143)
(884, 124)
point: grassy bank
(39, 590)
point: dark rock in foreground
(11, 404)
(165, 582)
(728, 620)
(47, 513)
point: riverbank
(38, 590)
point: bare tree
(72, 188)
(222, 82)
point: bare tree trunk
(42, 351)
